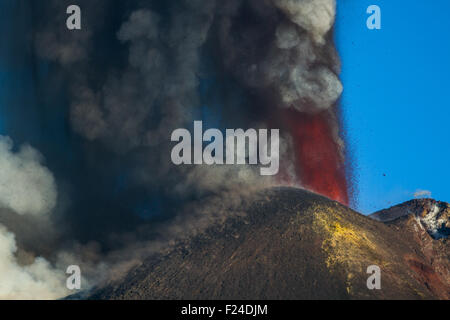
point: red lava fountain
(319, 162)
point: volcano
(294, 244)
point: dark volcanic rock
(431, 215)
(425, 225)
(291, 244)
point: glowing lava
(320, 164)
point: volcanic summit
(293, 244)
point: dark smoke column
(284, 51)
(273, 61)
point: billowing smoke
(103, 101)
(26, 188)
(38, 280)
(314, 16)
(287, 55)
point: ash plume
(107, 97)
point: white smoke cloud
(422, 194)
(301, 64)
(320, 86)
(35, 281)
(315, 16)
(26, 187)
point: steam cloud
(134, 73)
(422, 193)
(27, 188)
(38, 280)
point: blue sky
(395, 101)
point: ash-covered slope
(291, 244)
